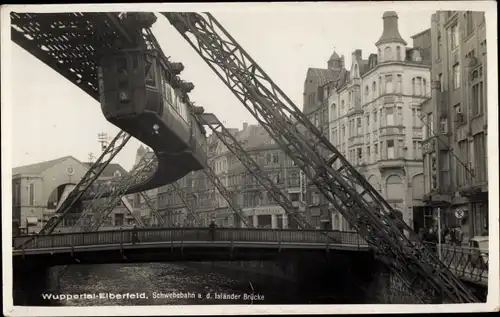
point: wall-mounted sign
(459, 213)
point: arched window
(342, 107)
(367, 91)
(424, 87)
(388, 53)
(394, 188)
(398, 53)
(374, 88)
(379, 57)
(334, 111)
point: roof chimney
(245, 125)
(391, 31)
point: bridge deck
(464, 262)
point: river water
(164, 284)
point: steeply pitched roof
(322, 76)
(39, 168)
(110, 170)
(364, 67)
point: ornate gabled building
(374, 113)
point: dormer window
(416, 56)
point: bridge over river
(223, 244)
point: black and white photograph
(249, 158)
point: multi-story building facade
(37, 189)
(374, 117)
(318, 85)
(455, 137)
(258, 207)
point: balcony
(392, 130)
(391, 99)
(390, 163)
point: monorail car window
(150, 71)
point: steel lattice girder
(235, 147)
(226, 194)
(154, 210)
(189, 200)
(346, 189)
(142, 171)
(90, 176)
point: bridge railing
(467, 262)
(188, 234)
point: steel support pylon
(345, 188)
(87, 180)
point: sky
(53, 118)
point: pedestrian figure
(135, 238)
(211, 229)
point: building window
(387, 54)
(359, 155)
(368, 154)
(463, 163)
(417, 150)
(443, 125)
(400, 116)
(415, 115)
(367, 91)
(367, 121)
(456, 76)
(374, 88)
(454, 36)
(398, 53)
(439, 47)
(389, 116)
(480, 158)
(390, 149)
(388, 84)
(32, 194)
(469, 23)
(375, 150)
(334, 111)
(477, 98)
(374, 116)
(424, 87)
(359, 126)
(459, 117)
(399, 84)
(342, 108)
(416, 84)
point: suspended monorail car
(141, 94)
